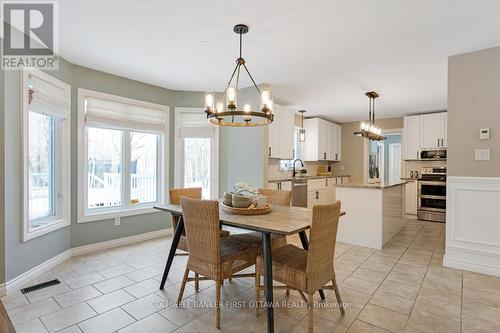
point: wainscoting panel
(473, 224)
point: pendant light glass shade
(302, 131)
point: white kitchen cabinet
(411, 198)
(411, 137)
(323, 140)
(281, 134)
(316, 197)
(330, 190)
(282, 185)
(337, 142)
(433, 130)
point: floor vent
(40, 286)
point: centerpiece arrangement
(245, 200)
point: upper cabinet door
(337, 142)
(311, 144)
(411, 137)
(323, 140)
(280, 140)
(432, 130)
(274, 136)
(286, 134)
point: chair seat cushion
(183, 245)
(255, 238)
(289, 266)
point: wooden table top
(283, 220)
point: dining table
(281, 220)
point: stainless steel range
(432, 194)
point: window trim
(178, 152)
(162, 163)
(62, 152)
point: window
(124, 163)
(46, 155)
(196, 152)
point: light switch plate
(482, 154)
(484, 134)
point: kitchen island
(376, 212)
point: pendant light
(226, 112)
(368, 129)
(302, 131)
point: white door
(196, 153)
(274, 136)
(394, 162)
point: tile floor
(402, 288)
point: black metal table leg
(268, 279)
(305, 245)
(173, 248)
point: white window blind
(123, 115)
(194, 122)
(47, 97)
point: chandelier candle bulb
(209, 101)
(247, 108)
(231, 97)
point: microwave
(433, 154)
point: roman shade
(133, 115)
(48, 98)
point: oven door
(432, 188)
(432, 196)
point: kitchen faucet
(293, 170)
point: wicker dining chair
(210, 256)
(308, 271)
(274, 197)
(175, 198)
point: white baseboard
(35, 272)
(473, 224)
(21, 280)
(81, 250)
(470, 266)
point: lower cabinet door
(411, 198)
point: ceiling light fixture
(228, 114)
(302, 131)
(368, 129)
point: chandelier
(368, 129)
(228, 111)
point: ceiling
(320, 55)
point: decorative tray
(246, 211)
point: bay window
(123, 158)
(46, 156)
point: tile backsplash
(275, 172)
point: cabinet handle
(293, 153)
(279, 186)
(336, 157)
(438, 142)
(326, 183)
(324, 156)
(317, 195)
(269, 151)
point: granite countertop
(289, 178)
(366, 185)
